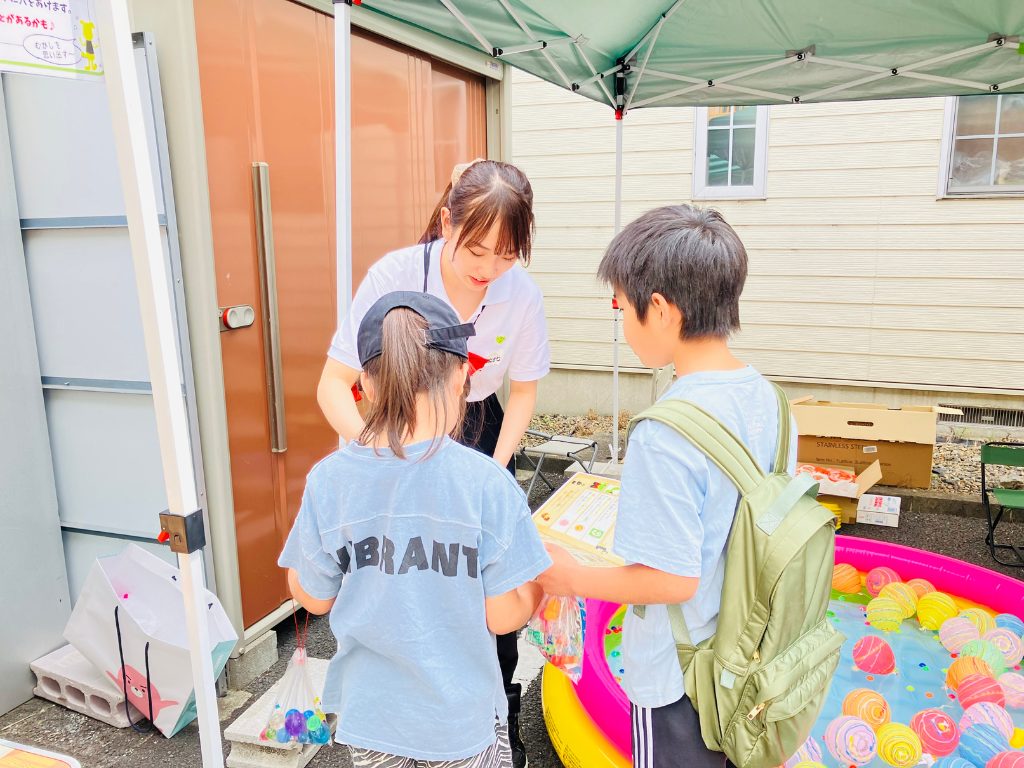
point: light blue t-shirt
(675, 512)
(410, 548)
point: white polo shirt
(511, 332)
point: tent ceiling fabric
(733, 52)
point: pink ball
(1013, 689)
(957, 632)
(878, 578)
(975, 688)
(985, 712)
(1006, 760)
(938, 732)
(873, 655)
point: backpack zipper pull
(756, 711)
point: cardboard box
(842, 487)
(879, 510)
(901, 440)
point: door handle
(268, 295)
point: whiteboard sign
(49, 37)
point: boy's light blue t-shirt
(411, 548)
(675, 512)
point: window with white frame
(730, 152)
(984, 145)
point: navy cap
(444, 329)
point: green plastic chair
(1002, 455)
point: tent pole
(343, 155)
(616, 313)
(159, 328)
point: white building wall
(859, 275)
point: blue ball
(308, 713)
(282, 736)
(321, 736)
(980, 743)
(1010, 622)
(952, 761)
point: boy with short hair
(677, 273)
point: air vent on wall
(983, 416)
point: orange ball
(846, 579)
(964, 666)
(921, 586)
(869, 706)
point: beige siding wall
(858, 274)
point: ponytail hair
(405, 368)
(484, 192)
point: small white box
(879, 510)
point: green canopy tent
(671, 53)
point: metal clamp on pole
(184, 534)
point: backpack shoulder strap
(781, 464)
(710, 437)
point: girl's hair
(488, 191)
(405, 368)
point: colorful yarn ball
(921, 586)
(878, 578)
(1007, 643)
(935, 608)
(988, 653)
(851, 740)
(903, 595)
(981, 618)
(1013, 689)
(965, 666)
(885, 614)
(980, 743)
(938, 732)
(873, 655)
(975, 688)
(846, 579)
(809, 752)
(987, 713)
(957, 632)
(953, 761)
(870, 706)
(1007, 760)
(898, 745)
(1010, 622)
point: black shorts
(669, 737)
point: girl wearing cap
(416, 567)
(471, 256)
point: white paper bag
(129, 621)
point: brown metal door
(266, 72)
(413, 119)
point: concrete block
(255, 659)
(67, 678)
(247, 751)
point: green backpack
(759, 684)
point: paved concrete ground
(96, 745)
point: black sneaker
(514, 693)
